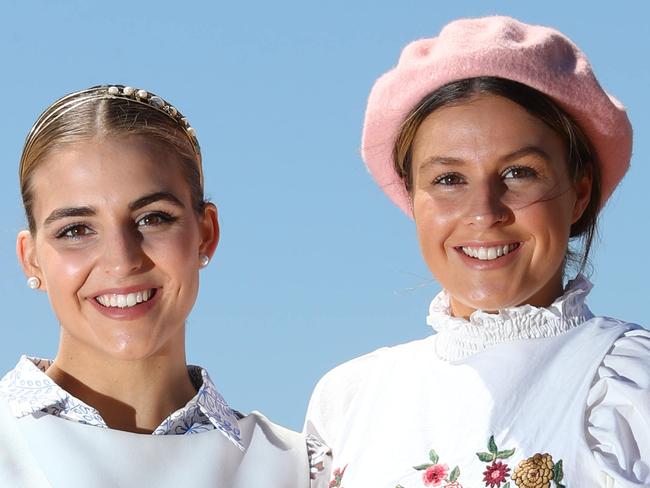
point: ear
(209, 228)
(26, 252)
(583, 195)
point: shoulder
(626, 363)
(627, 347)
(634, 342)
(337, 390)
(348, 378)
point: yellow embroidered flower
(534, 472)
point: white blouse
(528, 397)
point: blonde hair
(93, 113)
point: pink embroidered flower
(435, 474)
(495, 474)
(453, 484)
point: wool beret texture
(537, 56)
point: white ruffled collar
(458, 338)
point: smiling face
(493, 204)
(117, 246)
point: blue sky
(315, 266)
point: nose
(485, 206)
(122, 253)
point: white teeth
(489, 253)
(124, 301)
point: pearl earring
(33, 282)
(204, 260)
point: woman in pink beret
(497, 139)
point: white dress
(529, 397)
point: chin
(488, 299)
(127, 350)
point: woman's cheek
(179, 239)
(433, 225)
(67, 268)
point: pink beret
(537, 56)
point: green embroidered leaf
(455, 473)
(422, 467)
(399, 486)
(507, 485)
(505, 454)
(486, 457)
(492, 446)
(433, 456)
(558, 472)
(559, 485)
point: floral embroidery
(337, 477)
(497, 472)
(436, 473)
(538, 471)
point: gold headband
(73, 100)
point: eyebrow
(524, 151)
(445, 161)
(62, 213)
(156, 197)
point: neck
(133, 395)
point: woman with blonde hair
(118, 232)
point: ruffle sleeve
(618, 412)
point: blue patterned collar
(28, 390)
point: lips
(488, 253)
(125, 300)
(128, 303)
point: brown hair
(581, 157)
(88, 114)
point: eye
(449, 179)
(74, 231)
(519, 172)
(154, 219)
